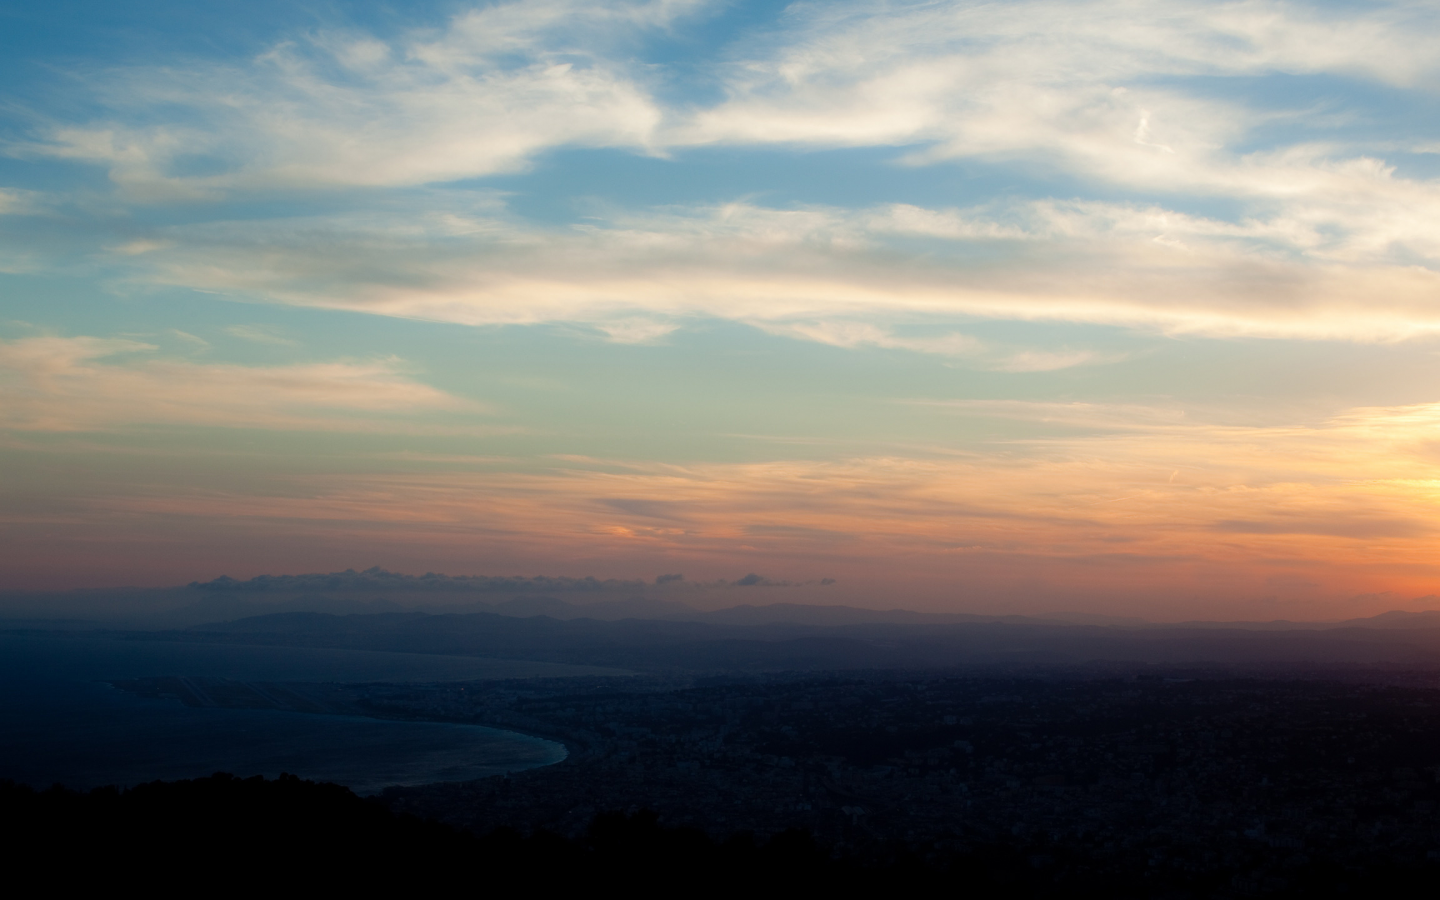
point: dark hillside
(691, 646)
(222, 833)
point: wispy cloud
(260, 334)
(636, 330)
(15, 202)
(1171, 506)
(1260, 221)
(1091, 85)
(974, 352)
(497, 85)
(838, 275)
(104, 384)
(1086, 85)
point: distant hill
(377, 591)
(1397, 618)
(712, 646)
(1393, 619)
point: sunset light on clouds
(1120, 307)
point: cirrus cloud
(835, 275)
(1205, 205)
(62, 384)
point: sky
(1128, 307)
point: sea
(61, 722)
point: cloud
(62, 384)
(1349, 500)
(378, 580)
(753, 580)
(498, 84)
(843, 277)
(139, 246)
(194, 342)
(1201, 507)
(16, 202)
(1051, 360)
(1102, 416)
(976, 353)
(1255, 217)
(1346, 527)
(1099, 86)
(1116, 91)
(647, 509)
(260, 334)
(636, 330)
(859, 334)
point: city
(1253, 783)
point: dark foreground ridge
(217, 831)
(222, 831)
(225, 832)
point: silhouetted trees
(224, 833)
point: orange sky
(1127, 308)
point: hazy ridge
(649, 626)
(376, 590)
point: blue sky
(1122, 306)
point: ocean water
(60, 722)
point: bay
(61, 722)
